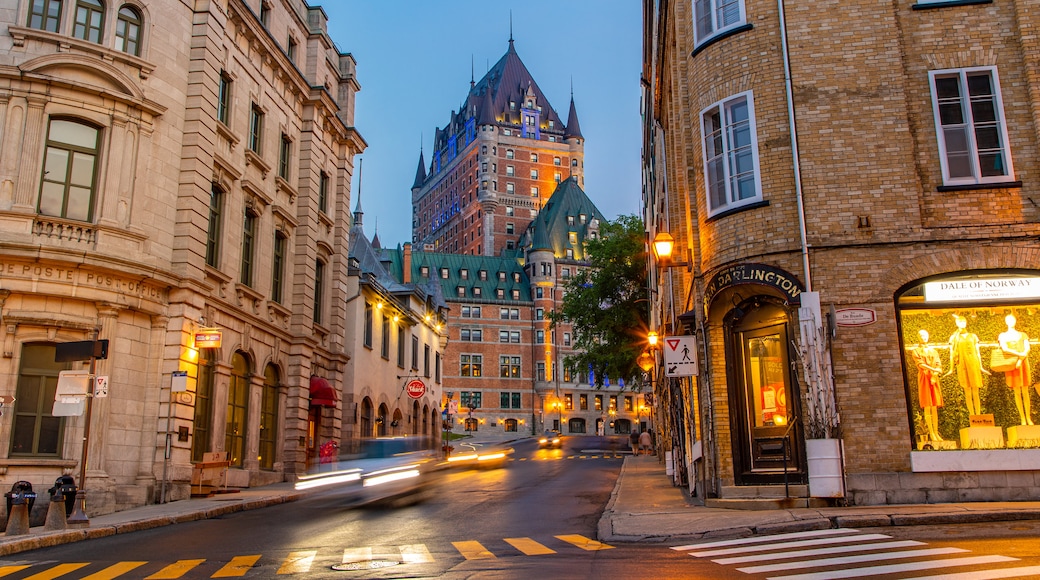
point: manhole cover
(365, 565)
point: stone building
(494, 164)
(172, 171)
(851, 193)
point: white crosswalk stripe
(842, 553)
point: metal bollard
(55, 513)
(18, 517)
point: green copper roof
(563, 223)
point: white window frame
(724, 107)
(976, 177)
(717, 27)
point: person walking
(645, 443)
(633, 440)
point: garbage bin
(65, 486)
(24, 492)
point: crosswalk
(847, 553)
(303, 561)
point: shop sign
(854, 317)
(982, 289)
(749, 273)
(415, 388)
(208, 338)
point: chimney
(406, 265)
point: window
(509, 400)
(319, 292)
(503, 336)
(471, 335)
(509, 210)
(290, 49)
(400, 346)
(90, 15)
(471, 365)
(369, 322)
(534, 191)
(556, 161)
(969, 119)
(503, 313)
(444, 273)
(213, 235)
(128, 31)
(509, 367)
(471, 424)
(248, 247)
(539, 337)
(460, 290)
(501, 276)
(510, 187)
(514, 314)
(514, 336)
(566, 273)
(284, 157)
(35, 430)
(426, 361)
(470, 399)
(510, 171)
(539, 313)
(483, 274)
(534, 157)
(509, 228)
(539, 371)
(510, 425)
(509, 153)
(265, 14)
(201, 423)
(534, 174)
(464, 274)
(323, 200)
(237, 410)
(278, 267)
(730, 154)
(628, 403)
(437, 367)
(539, 292)
(45, 15)
(256, 128)
(69, 168)
(566, 339)
(568, 402)
(424, 271)
(599, 403)
(557, 177)
(711, 17)
(224, 98)
(583, 402)
(415, 353)
(613, 402)
(384, 349)
(268, 418)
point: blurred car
(549, 439)
(381, 469)
(472, 454)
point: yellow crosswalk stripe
(472, 550)
(529, 546)
(583, 542)
(7, 570)
(114, 571)
(175, 570)
(297, 562)
(238, 566)
(56, 571)
(415, 554)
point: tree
(606, 303)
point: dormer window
(424, 271)
(581, 218)
(570, 220)
(516, 294)
(516, 277)
(501, 276)
(444, 273)
(483, 274)
(476, 291)
(464, 274)
(500, 293)
(512, 105)
(461, 290)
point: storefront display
(969, 359)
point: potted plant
(823, 445)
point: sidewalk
(644, 507)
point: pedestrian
(645, 443)
(633, 439)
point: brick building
(494, 164)
(852, 192)
(166, 168)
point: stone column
(35, 130)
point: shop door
(767, 445)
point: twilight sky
(414, 63)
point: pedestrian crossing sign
(680, 356)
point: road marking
(175, 570)
(7, 570)
(1019, 572)
(818, 552)
(115, 570)
(297, 562)
(56, 571)
(898, 568)
(787, 545)
(472, 550)
(844, 560)
(583, 542)
(761, 539)
(238, 566)
(529, 546)
(415, 554)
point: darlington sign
(762, 274)
(982, 289)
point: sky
(414, 63)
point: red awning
(322, 393)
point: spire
(357, 207)
(472, 80)
(510, 30)
(420, 172)
(375, 236)
(573, 128)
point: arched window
(128, 31)
(415, 418)
(90, 20)
(471, 424)
(382, 421)
(69, 170)
(35, 430)
(510, 425)
(269, 417)
(201, 426)
(45, 15)
(366, 418)
(237, 410)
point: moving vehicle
(549, 440)
(380, 469)
(473, 454)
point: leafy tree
(607, 303)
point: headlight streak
(331, 478)
(373, 481)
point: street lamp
(664, 243)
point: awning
(322, 393)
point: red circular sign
(415, 388)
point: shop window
(969, 360)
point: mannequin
(966, 361)
(929, 395)
(1016, 343)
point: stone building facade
(878, 162)
(170, 170)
